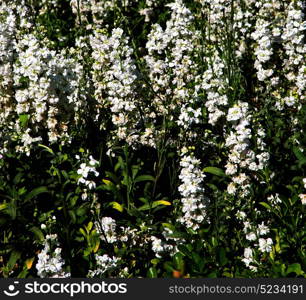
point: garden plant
(152, 138)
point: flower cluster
(257, 235)
(111, 233)
(159, 247)
(94, 12)
(114, 75)
(169, 60)
(50, 262)
(192, 191)
(85, 170)
(7, 45)
(7, 31)
(104, 264)
(46, 85)
(295, 48)
(241, 155)
(263, 37)
(107, 229)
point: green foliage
(42, 193)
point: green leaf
(66, 176)
(23, 119)
(179, 261)
(9, 209)
(22, 191)
(299, 154)
(46, 149)
(212, 186)
(214, 171)
(89, 226)
(160, 202)
(266, 205)
(15, 255)
(108, 185)
(82, 210)
(214, 241)
(36, 192)
(155, 261)
(17, 179)
(112, 176)
(179, 235)
(135, 170)
(152, 273)
(4, 206)
(116, 206)
(144, 178)
(184, 250)
(72, 216)
(154, 204)
(227, 274)
(37, 233)
(294, 268)
(96, 246)
(107, 182)
(222, 257)
(82, 231)
(212, 275)
(144, 200)
(23, 274)
(73, 200)
(198, 260)
(145, 207)
(169, 266)
(168, 225)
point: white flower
(248, 253)
(50, 263)
(241, 215)
(104, 263)
(156, 244)
(262, 229)
(92, 161)
(248, 259)
(192, 192)
(230, 169)
(234, 113)
(58, 251)
(253, 268)
(231, 188)
(107, 229)
(91, 184)
(84, 170)
(274, 200)
(251, 236)
(265, 245)
(303, 198)
(240, 179)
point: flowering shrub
(145, 138)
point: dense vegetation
(152, 138)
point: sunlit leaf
(116, 206)
(215, 171)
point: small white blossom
(265, 245)
(104, 264)
(50, 263)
